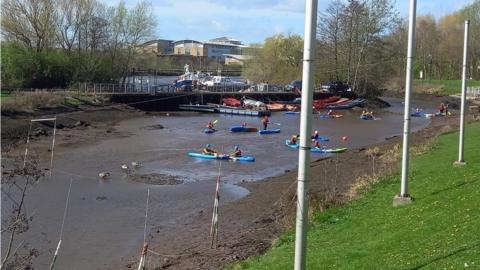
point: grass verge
(440, 230)
(443, 87)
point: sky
(251, 21)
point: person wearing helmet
(315, 135)
(208, 150)
(236, 152)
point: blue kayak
(209, 130)
(205, 156)
(269, 131)
(322, 139)
(243, 129)
(367, 117)
(243, 158)
(221, 157)
(317, 149)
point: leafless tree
(16, 183)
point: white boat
(221, 81)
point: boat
(330, 116)
(367, 117)
(232, 102)
(243, 129)
(209, 130)
(346, 105)
(221, 157)
(269, 131)
(318, 149)
(243, 158)
(205, 156)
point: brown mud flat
(250, 226)
(155, 179)
(88, 123)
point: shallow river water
(105, 218)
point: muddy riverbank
(105, 219)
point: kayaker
(265, 122)
(294, 139)
(330, 112)
(236, 152)
(244, 124)
(441, 108)
(315, 135)
(208, 150)
(210, 125)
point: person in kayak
(210, 125)
(315, 135)
(244, 124)
(330, 112)
(208, 150)
(236, 152)
(294, 139)
(265, 122)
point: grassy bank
(443, 87)
(440, 230)
(32, 101)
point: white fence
(473, 92)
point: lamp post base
(459, 163)
(402, 200)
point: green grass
(440, 230)
(447, 87)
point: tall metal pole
(305, 133)
(408, 89)
(460, 160)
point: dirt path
(250, 225)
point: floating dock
(223, 109)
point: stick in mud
(61, 228)
(214, 225)
(53, 139)
(143, 255)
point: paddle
(215, 122)
(278, 124)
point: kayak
(243, 129)
(367, 117)
(221, 157)
(331, 116)
(317, 149)
(269, 131)
(417, 114)
(291, 113)
(205, 156)
(209, 130)
(322, 139)
(243, 158)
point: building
(157, 46)
(189, 47)
(236, 59)
(215, 49)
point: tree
(279, 60)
